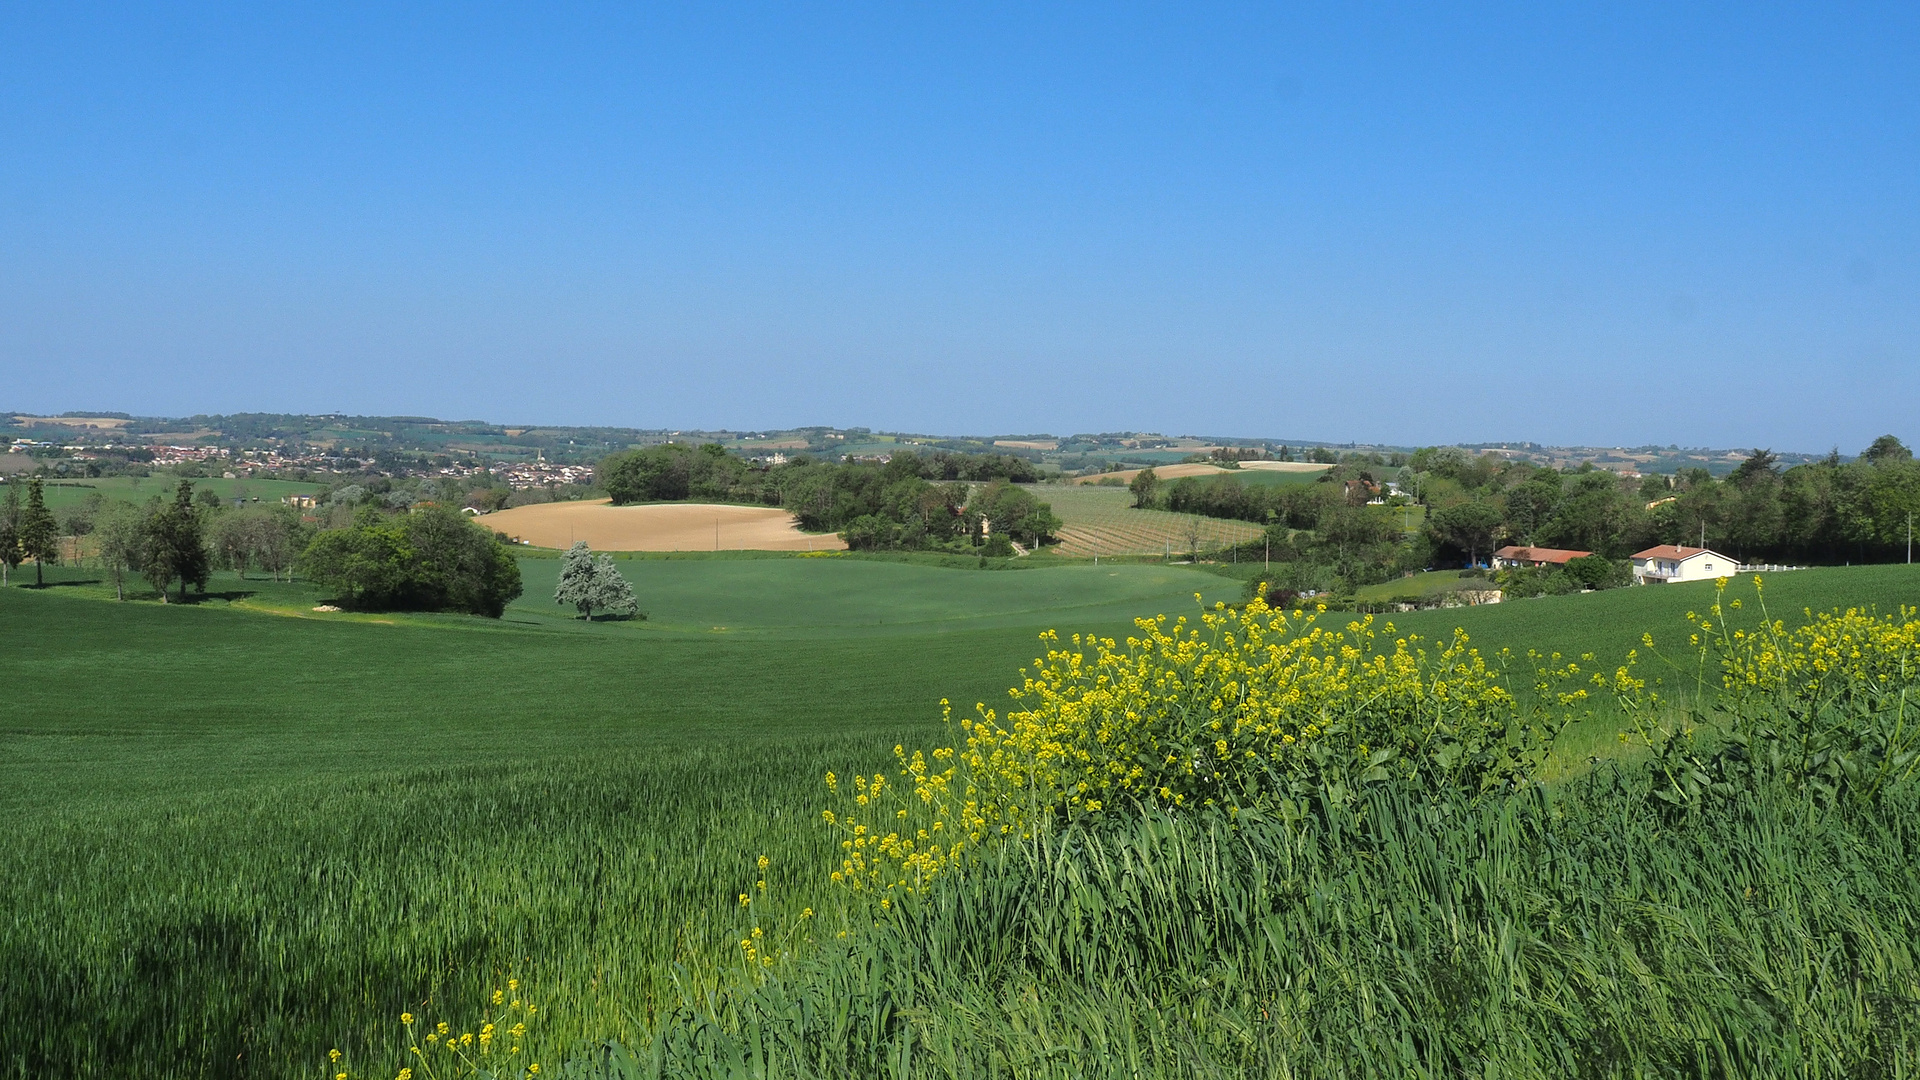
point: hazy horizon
(1621, 226)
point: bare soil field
(1175, 472)
(1164, 472)
(657, 527)
(72, 421)
(1286, 466)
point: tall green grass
(1583, 933)
(244, 933)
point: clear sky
(1606, 223)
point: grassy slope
(183, 698)
(838, 597)
(241, 837)
(1422, 584)
(1272, 477)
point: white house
(1672, 562)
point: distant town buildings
(532, 474)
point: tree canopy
(429, 559)
(587, 583)
(171, 545)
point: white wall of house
(1700, 566)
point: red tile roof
(1539, 554)
(1675, 552)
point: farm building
(1515, 558)
(1674, 562)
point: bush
(432, 559)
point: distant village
(230, 463)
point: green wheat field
(243, 833)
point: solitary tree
(1145, 484)
(587, 583)
(576, 579)
(39, 533)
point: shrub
(432, 559)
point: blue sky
(1610, 224)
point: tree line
(422, 556)
(938, 501)
(1369, 518)
(165, 542)
(1824, 512)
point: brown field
(1164, 472)
(73, 421)
(1026, 444)
(1286, 466)
(657, 527)
(1175, 472)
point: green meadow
(64, 493)
(244, 832)
(1272, 477)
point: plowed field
(1102, 521)
(657, 527)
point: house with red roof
(1514, 558)
(1674, 562)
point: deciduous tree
(1144, 485)
(11, 554)
(576, 580)
(121, 530)
(612, 592)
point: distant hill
(373, 437)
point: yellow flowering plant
(491, 1051)
(761, 949)
(1821, 707)
(1253, 708)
